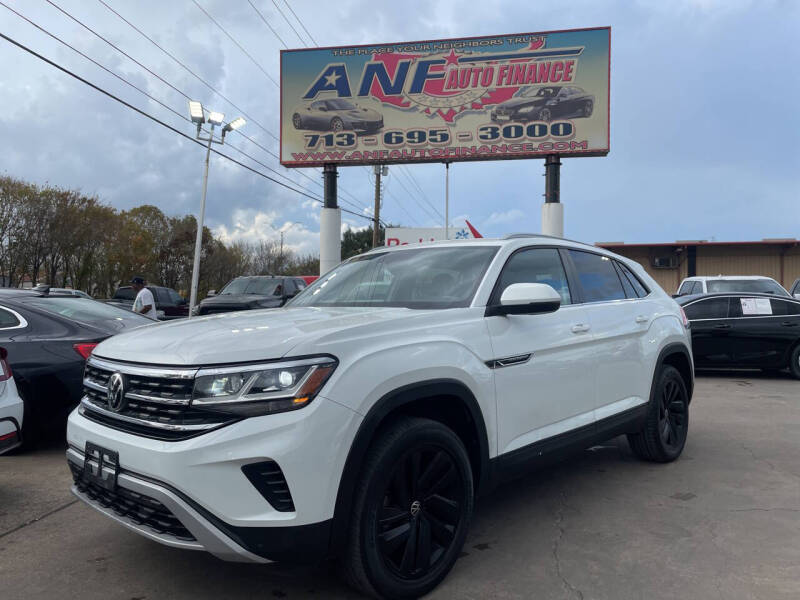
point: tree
(358, 241)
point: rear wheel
(794, 362)
(667, 424)
(337, 124)
(587, 109)
(545, 115)
(412, 510)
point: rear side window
(535, 265)
(784, 308)
(713, 308)
(598, 277)
(7, 319)
(636, 283)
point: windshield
(340, 105)
(420, 278)
(761, 286)
(545, 92)
(87, 311)
(260, 286)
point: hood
(518, 102)
(364, 113)
(247, 336)
(224, 299)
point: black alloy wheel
(588, 107)
(672, 416)
(666, 424)
(794, 362)
(411, 510)
(337, 125)
(422, 507)
(297, 121)
(545, 115)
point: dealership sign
(402, 236)
(499, 97)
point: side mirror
(210, 293)
(322, 109)
(526, 299)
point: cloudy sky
(704, 115)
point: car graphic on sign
(336, 115)
(545, 104)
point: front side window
(686, 288)
(598, 277)
(535, 265)
(713, 308)
(341, 105)
(784, 308)
(420, 278)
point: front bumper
(200, 480)
(365, 125)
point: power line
(238, 45)
(422, 206)
(301, 23)
(210, 87)
(263, 18)
(407, 172)
(299, 37)
(191, 72)
(160, 122)
(138, 89)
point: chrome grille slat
(158, 401)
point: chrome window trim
(87, 404)
(740, 296)
(143, 371)
(23, 323)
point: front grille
(142, 510)
(157, 401)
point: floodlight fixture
(234, 125)
(216, 118)
(196, 112)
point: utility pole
(377, 169)
(330, 222)
(447, 200)
(552, 210)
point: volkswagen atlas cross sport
(360, 420)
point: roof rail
(515, 236)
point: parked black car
(744, 331)
(48, 339)
(256, 291)
(795, 289)
(545, 104)
(169, 303)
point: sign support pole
(376, 213)
(447, 200)
(552, 210)
(330, 223)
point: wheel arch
(445, 400)
(676, 355)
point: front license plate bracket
(101, 466)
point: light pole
(215, 119)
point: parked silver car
(336, 115)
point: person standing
(144, 303)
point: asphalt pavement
(721, 522)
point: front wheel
(587, 108)
(545, 115)
(337, 125)
(412, 510)
(297, 121)
(794, 362)
(667, 423)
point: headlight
(251, 390)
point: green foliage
(67, 239)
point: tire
(667, 423)
(337, 124)
(587, 109)
(394, 510)
(794, 362)
(545, 115)
(297, 121)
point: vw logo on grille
(115, 394)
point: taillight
(5, 369)
(684, 318)
(84, 349)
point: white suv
(730, 284)
(361, 420)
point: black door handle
(790, 323)
(722, 326)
